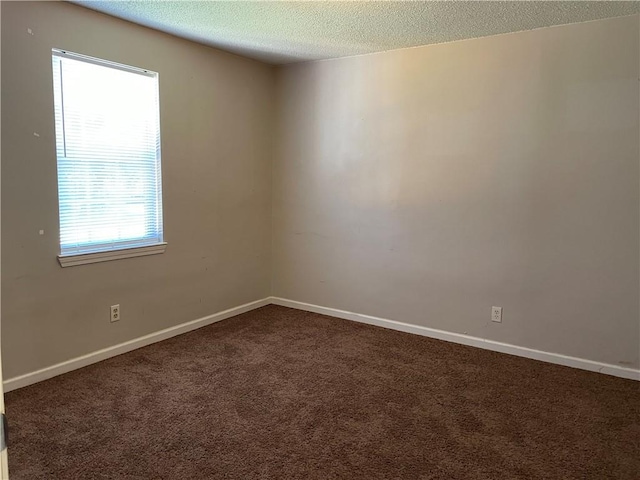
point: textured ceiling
(285, 32)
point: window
(108, 149)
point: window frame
(112, 252)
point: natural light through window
(108, 150)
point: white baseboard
(97, 356)
(556, 358)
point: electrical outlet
(496, 314)
(115, 313)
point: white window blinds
(108, 150)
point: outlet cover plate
(496, 314)
(115, 313)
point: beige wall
(422, 185)
(216, 112)
(425, 185)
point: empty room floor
(279, 393)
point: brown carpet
(283, 394)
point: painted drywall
(426, 185)
(216, 116)
(421, 185)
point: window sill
(86, 258)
